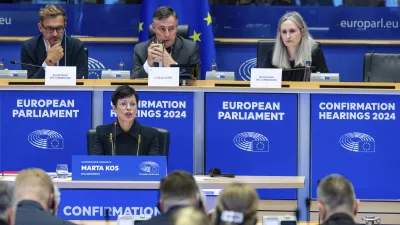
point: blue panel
(172, 111)
(356, 136)
(43, 128)
(263, 145)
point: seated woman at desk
(294, 46)
(125, 136)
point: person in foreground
(337, 201)
(37, 199)
(177, 190)
(48, 49)
(189, 216)
(237, 204)
(7, 215)
(177, 50)
(125, 136)
(293, 47)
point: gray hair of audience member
(189, 215)
(7, 203)
(164, 12)
(237, 204)
(336, 195)
(281, 56)
(34, 184)
(178, 188)
(57, 199)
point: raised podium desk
(298, 144)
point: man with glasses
(125, 136)
(49, 48)
(177, 50)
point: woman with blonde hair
(294, 46)
(237, 204)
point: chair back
(380, 67)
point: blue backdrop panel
(178, 121)
(246, 146)
(39, 130)
(93, 204)
(356, 136)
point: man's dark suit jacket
(317, 61)
(127, 143)
(32, 213)
(183, 52)
(33, 51)
(339, 219)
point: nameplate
(163, 76)
(13, 74)
(266, 78)
(119, 168)
(60, 75)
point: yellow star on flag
(195, 36)
(140, 26)
(208, 19)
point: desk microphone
(216, 172)
(162, 58)
(370, 65)
(298, 68)
(114, 147)
(26, 64)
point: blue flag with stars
(195, 13)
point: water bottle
(214, 66)
(1, 64)
(307, 71)
(121, 65)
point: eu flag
(195, 13)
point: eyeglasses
(124, 104)
(51, 30)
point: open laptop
(219, 75)
(324, 77)
(116, 74)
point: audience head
(179, 188)
(125, 101)
(336, 195)
(7, 203)
(53, 21)
(35, 185)
(237, 204)
(165, 25)
(292, 35)
(189, 215)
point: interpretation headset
(216, 172)
(199, 195)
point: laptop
(324, 77)
(116, 74)
(13, 74)
(219, 75)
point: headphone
(216, 172)
(53, 200)
(198, 194)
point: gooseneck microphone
(162, 58)
(370, 65)
(65, 47)
(114, 146)
(26, 64)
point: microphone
(138, 146)
(114, 146)
(298, 68)
(162, 58)
(216, 172)
(370, 65)
(65, 47)
(27, 64)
